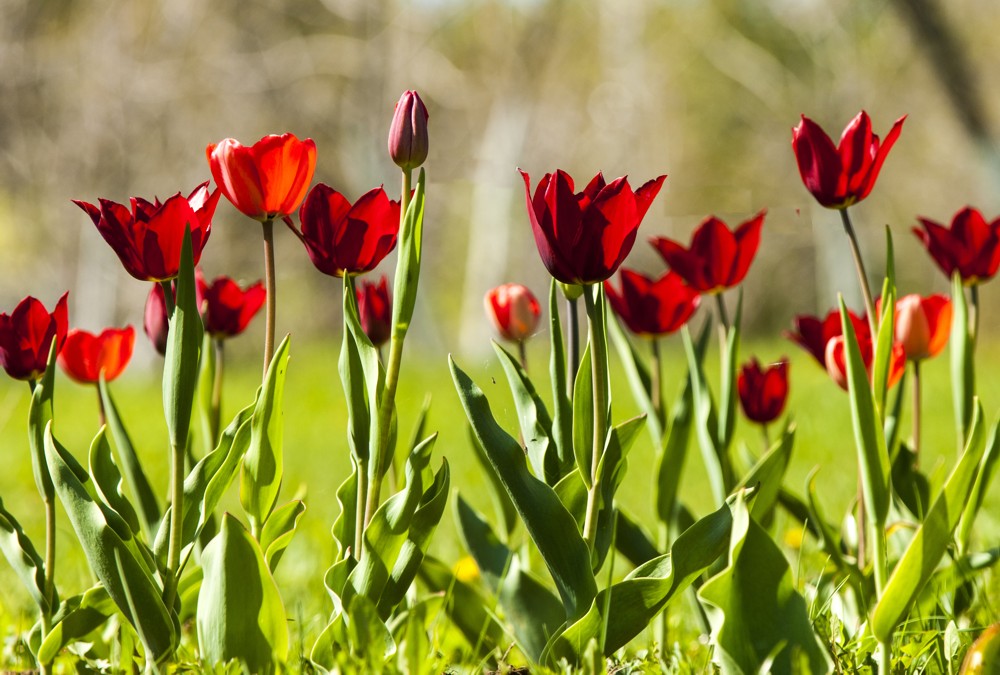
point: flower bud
(408, 132)
(514, 311)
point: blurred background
(119, 98)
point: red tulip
(514, 311)
(583, 238)
(148, 238)
(763, 391)
(267, 179)
(922, 325)
(26, 336)
(226, 308)
(840, 176)
(342, 238)
(718, 259)
(971, 246)
(375, 308)
(85, 355)
(155, 320)
(812, 333)
(408, 132)
(651, 307)
(836, 359)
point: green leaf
(278, 531)
(727, 388)
(469, 610)
(883, 348)
(139, 489)
(206, 382)
(532, 612)
(263, 463)
(370, 639)
(562, 410)
(769, 474)
(639, 380)
(77, 618)
(113, 554)
(359, 415)
(411, 234)
(345, 526)
(505, 512)
(39, 415)
(704, 409)
(611, 470)
(491, 555)
(181, 364)
(23, 559)
(583, 418)
(756, 614)
(632, 540)
(987, 469)
(547, 521)
(931, 541)
(670, 462)
(873, 457)
(240, 613)
(963, 374)
(108, 481)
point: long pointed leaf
(963, 374)
(562, 411)
(536, 425)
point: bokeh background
(120, 97)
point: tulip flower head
(652, 307)
(155, 320)
(584, 237)
(971, 246)
(839, 176)
(514, 311)
(26, 335)
(148, 237)
(266, 180)
(85, 356)
(836, 359)
(343, 238)
(375, 309)
(226, 308)
(813, 334)
(763, 391)
(408, 132)
(718, 258)
(922, 325)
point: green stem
(916, 413)
(723, 314)
(594, 300)
(655, 382)
(359, 527)
(884, 657)
(522, 355)
(862, 532)
(862, 275)
(168, 297)
(176, 523)
(268, 227)
(215, 412)
(573, 337)
(49, 588)
(974, 290)
(767, 437)
(101, 417)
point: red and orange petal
(85, 356)
(514, 311)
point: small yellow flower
(466, 569)
(793, 537)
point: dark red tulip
(651, 307)
(342, 238)
(922, 325)
(718, 258)
(375, 308)
(812, 333)
(843, 175)
(763, 391)
(85, 356)
(266, 180)
(514, 311)
(148, 237)
(155, 319)
(971, 246)
(226, 308)
(583, 238)
(26, 336)
(408, 132)
(836, 359)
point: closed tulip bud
(408, 132)
(514, 311)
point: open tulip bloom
(970, 246)
(86, 356)
(26, 334)
(651, 308)
(812, 333)
(763, 391)
(147, 237)
(228, 309)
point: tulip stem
(522, 355)
(362, 507)
(723, 314)
(574, 346)
(176, 524)
(862, 275)
(767, 437)
(862, 537)
(655, 384)
(916, 413)
(974, 291)
(101, 417)
(215, 413)
(168, 297)
(594, 299)
(268, 226)
(50, 557)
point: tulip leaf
(39, 415)
(639, 380)
(632, 540)
(345, 526)
(704, 410)
(931, 540)
(882, 358)
(873, 457)
(353, 379)
(963, 374)
(108, 481)
(727, 388)
(505, 512)
(182, 359)
(756, 614)
(113, 554)
(769, 474)
(278, 531)
(141, 492)
(411, 234)
(491, 555)
(77, 618)
(562, 410)
(536, 425)
(987, 469)
(466, 607)
(23, 559)
(611, 471)
(547, 521)
(369, 637)
(263, 463)
(583, 418)
(240, 613)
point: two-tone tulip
(514, 311)
(922, 325)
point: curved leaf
(77, 617)
(23, 559)
(562, 410)
(536, 425)
(278, 531)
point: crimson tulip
(718, 258)
(267, 179)
(514, 311)
(971, 246)
(922, 325)
(812, 333)
(342, 238)
(26, 336)
(375, 308)
(843, 175)
(584, 237)
(155, 319)
(408, 132)
(226, 308)
(652, 307)
(763, 391)
(148, 237)
(836, 359)
(85, 356)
